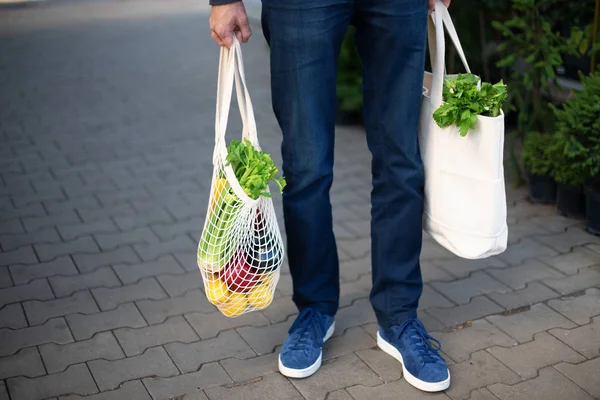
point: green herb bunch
(465, 98)
(254, 169)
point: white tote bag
(241, 249)
(465, 198)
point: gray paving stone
(33, 224)
(585, 375)
(433, 273)
(39, 312)
(535, 292)
(357, 314)
(187, 259)
(264, 339)
(573, 237)
(136, 341)
(337, 373)
(128, 222)
(584, 279)
(460, 344)
(169, 231)
(354, 290)
(256, 389)
(47, 252)
(250, 368)
(3, 391)
(280, 309)
(478, 307)
(110, 241)
(109, 298)
(72, 231)
(526, 359)
(524, 250)
(58, 357)
(133, 390)
(572, 262)
(91, 215)
(12, 226)
(5, 279)
(463, 290)
(549, 385)
(12, 316)
(150, 252)
(53, 331)
(479, 371)
(85, 326)
(56, 207)
(135, 272)
(392, 391)
(352, 340)
(156, 311)
(585, 339)
(461, 268)
(26, 362)
(358, 248)
(75, 379)
(209, 325)
(22, 255)
(90, 262)
(67, 285)
(339, 395)
(580, 308)
(525, 229)
(519, 276)
(110, 374)
(61, 266)
(433, 251)
(482, 394)
(38, 289)
(11, 242)
(524, 325)
(189, 357)
(188, 386)
(176, 285)
(387, 368)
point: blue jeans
(305, 37)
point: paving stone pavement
(106, 131)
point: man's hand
(432, 4)
(228, 20)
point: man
(305, 37)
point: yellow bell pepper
(217, 190)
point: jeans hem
(398, 319)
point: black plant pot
(592, 194)
(570, 201)
(349, 118)
(542, 189)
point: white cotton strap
(441, 18)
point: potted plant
(538, 165)
(531, 52)
(349, 83)
(577, 150)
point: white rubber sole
(410, 378)
(308, 371)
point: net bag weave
(241, 250)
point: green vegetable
(254, 171)
(464, 100)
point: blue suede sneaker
(422, 365)
(302, 351)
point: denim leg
(391, 38)
(305, 38)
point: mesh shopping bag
(241, 249)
